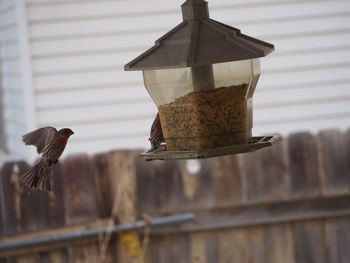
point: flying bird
(51, 144)
(156, 135)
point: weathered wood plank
(334, 164)
(56, 210)
(204, 247)
(56, 256)
(264, 174)
(20, 202)
(258, 246)
(310, 242)
(198, 188)
(103, 191)
(227, 180)
(171, 188)
(80, 189)
(303, 165)
(279, 243)
(338, 234)
(146, 173)
(174, 249)
(234, 246)
(123, 187)
(86, 253)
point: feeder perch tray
(255, 143)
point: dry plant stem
(146, 234)
(104, 239)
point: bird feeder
(202, 76)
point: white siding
(79, 47)
(12, 93)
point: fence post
(123, 185)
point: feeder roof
(198, 41)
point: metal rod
(156, 222)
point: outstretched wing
(39, 137)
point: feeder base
(255, 143)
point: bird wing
(39, 137)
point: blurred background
(62, 65)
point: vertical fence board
(123, 186)
(85, 253)
(310, 243)
(146, 173)
(280, 243)
(57, 256)
(226, 180)
(334, 163)
(204, 247)
(198, 189)
(264, 173)
(303, 165)
(103, 192)
(20, 202)
(258, 245)
(56, 204)
(174, 249)
(80, 189)
(234, 246)
(338, 232)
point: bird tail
(38, 177)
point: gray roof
(197, 41)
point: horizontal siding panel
(78, 80)
(313, 124)
(109, 43)
(17, 147)
(8, 35)
(9, 50)
(288, 112)
(297, 76)
(99, 113)
(279, 12)
(11, 66)
(11, 82)
(301, 95)
(311, 44)
(7, 18)
(13, 100)
(5, 5)
(91, 96)
(241, 13)
(237, 3)
(87, 62)
(116, 25)
(96, 131)
(107, 144)
(139, 24)
(15, 115)
(290, 28)
(335, 56)
(99, 8)
(15, 131)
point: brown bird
(156, 136)
(51, 144)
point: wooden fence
(288, 203)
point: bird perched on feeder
(156, 136)
(51, 144)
